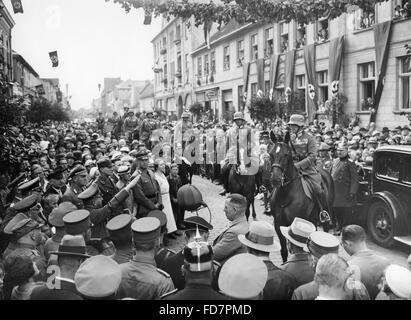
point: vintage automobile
(385, 193)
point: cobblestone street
(210, 192)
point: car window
(388, 165)
(406, 177)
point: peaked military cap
(119, 227)
(161, 216)
(77, 222)
(57, 214)
(27, 202)
(198, 256)
(12, 223)
(29, 185)
(56, 174)
(123, 170)
(191, 223)
(23, 227)
(70, 155)
(142, 155)
(104, 162)
(146, 230)
(77, 170)
(90, 192)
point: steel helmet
(297, 119)
(238, 116)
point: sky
(94, 39)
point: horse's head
(281, 159)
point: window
(300, 82)
(367, 85)
(405, 83)
(165, 80)
(179, 74)
(240, 52)
(388, 166)
(283, 37)
(268, 43)
(301, 35)
(206, 65)
(254, 47)
(322, 79)
(186, 31)
(322, 30)
(240, 98)
(406, 176)
(187, 67)
(363, 20)
(212, 62)
(267, 87)
(178, 33)
(227, 58)
(199, 66)
(254, 89)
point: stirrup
(324, 216)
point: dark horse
(244, 185)
(291, 200)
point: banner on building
(40, 89)
(17, 6)
(207, 29)
(260, 78)
(309, 61)
(59, 96)
(382, 32)
(54, 58)
(334, 62)
(289, 72)
(246, 78)
(147, 17)
(273, 74)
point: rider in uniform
(149, 124)
(233, 153)
(304, 148)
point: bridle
(285, 180)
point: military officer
(56, 183)
(324, 160)
(147, 190)
(174, 263)
(148, 125)
(119, 229)
(345, 177)
(163, 253)
(198, 274)
(105, 181)
(141, 279)
(78, 178)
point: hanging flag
(59, 96)
(17, 6)
(147, 17)
(40, 89)
(54, 58)
(207, 28)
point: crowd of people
(91, 201)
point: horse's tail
(329, 185)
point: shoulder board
(168, 293)
(171, 251)
(163, 273)
(217, 264)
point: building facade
(6, 56)
(25, 77)
(219, 71)
(147, 97)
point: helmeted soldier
(100, 122)
(148, 125)
(304, 149)
(324, 159)
(130, 124)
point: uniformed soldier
(148, 125)
(105, 181)
(198, 274)
(141, 279)
(56, 220)
(27, 188)
(78, 179)
(119, 229)
(163, 253)
(324, 159)
(174, 263)
(305, 156)
(100, 122)
(345, 177)
(27, 237)
(57, 183)
(146, 193)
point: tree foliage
(42, 110)
(263, 109)
(303, 11)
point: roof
(230, 27)
(147, 91)
(395, 148)
(53, 81)
(6, 14)
(20, 59)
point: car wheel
(380, 224)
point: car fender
(401, 224)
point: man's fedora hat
(298, 232)
(73, 246)
(260, 237)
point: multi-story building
(108, 102)
(147, 97)
(6, 57)
(51, 87)
(127, 94)
(295, 53)
(25, 77)
(173, 70)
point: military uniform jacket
(306, 148)
(147, 126)
(345, 177)
(51, 190)
(299, 265)
(71, 195)
(161, 256)
(67, 291)
(122, 255)
(280, 284)
(146, 193)
(195, 292)
(142, 280)
(107, 188)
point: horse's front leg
(252, 205)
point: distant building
(107, 94)
(6, 57)
(51, 87)
(147, 97)
(25, 77)
(127, 94)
